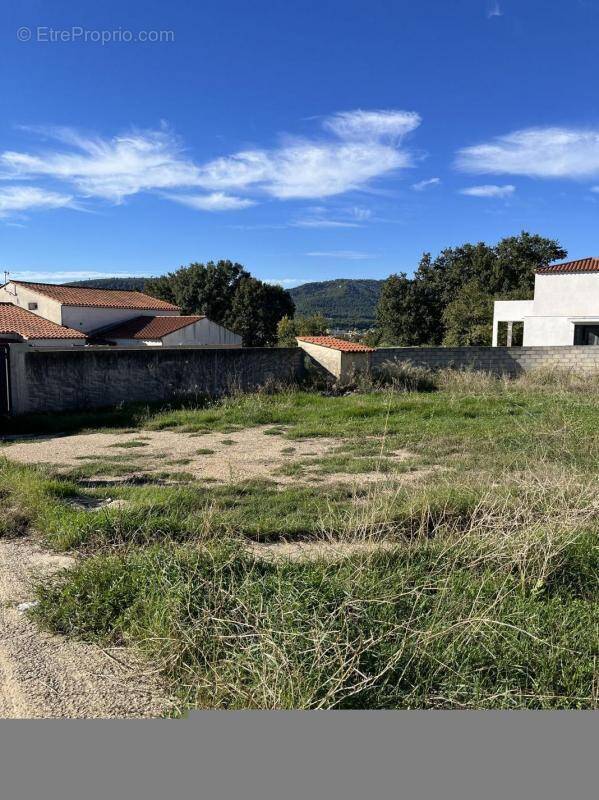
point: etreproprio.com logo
(81, 35)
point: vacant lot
(384, 549)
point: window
(586, 334)
(32, 306)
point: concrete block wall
(59, 380)
(499, 360)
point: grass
(484, 595)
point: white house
(113, 316)
(169, 331)
(564, 311)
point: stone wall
(499, 360)
(59, 380)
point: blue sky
(307, 140)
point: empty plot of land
(255, 452)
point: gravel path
(42, 675)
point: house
(114, 316)
(564, 311)
(340, 358)
(19, 325)
(169, 331)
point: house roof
(581, 265)
(148, 327)
(336, 344)
(98, 298)
(19, 321)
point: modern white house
(108, 316)
(564, 310)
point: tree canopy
(449, 299)
(228, 295)
(288, 328)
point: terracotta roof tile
(148, 327)
(336, 344)
(100, 298)
(15, 320)
(581, 265)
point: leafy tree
(200, 288)
(415, 311)
(289, 328)
(256, 310)
(468, 319)
(407, 312)
(228, 295)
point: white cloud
(217, 201)
(536, 152)
(494, 10)
(355, 148)
(421, 185)
(350, 255)
(368, 125)
(15, 199)
(489, 190)
(110, 169)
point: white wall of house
(92, 319)
(22, 296)
(561, 301)
(203, 332)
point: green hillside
(346, 302)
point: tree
(255, 311)
(407, 312)
(200, 288)
(291, 327)
(414, 311)
(468, 319)
(228, 295)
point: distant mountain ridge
(125, 284)
(345, 302)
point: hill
(346, 302)
(126, 284)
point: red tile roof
(148, 327)
(582, 265)
(336, 344)
(15, 320)
(99, 298)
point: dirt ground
(223, 457)
(42, 675)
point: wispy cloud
(352, 149)
(422, 185)
(489, 190)
(217, 201)
(348, 255)
(536, 152)
(323, 217)
(17, 199)
(494, 10)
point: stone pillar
(508, 342)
